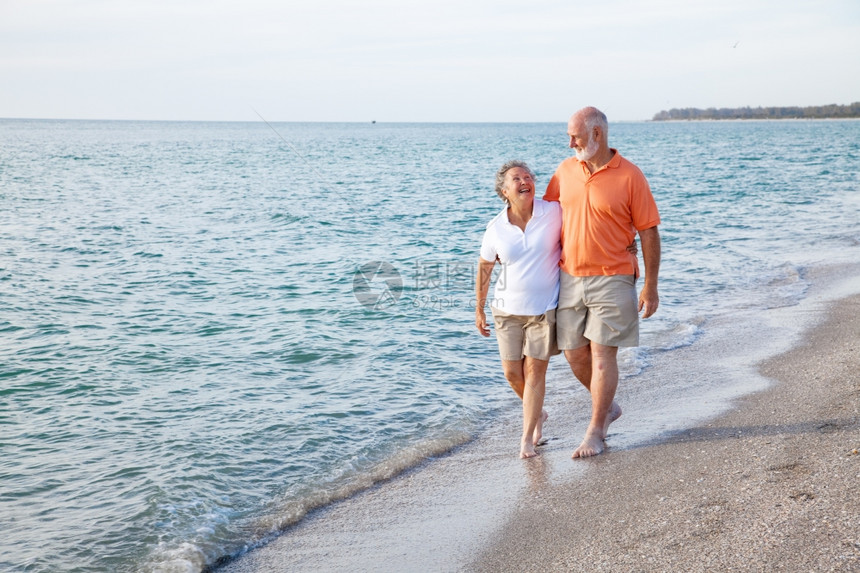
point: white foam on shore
(290, 511)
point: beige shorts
(520, 336)
(603, 309)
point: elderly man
(605, 201)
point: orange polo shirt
(601, 213)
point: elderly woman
(525, 239)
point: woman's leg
(533, 415)
(515, 375)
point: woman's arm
(482, 287)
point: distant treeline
(812, 112)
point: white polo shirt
(528, 281)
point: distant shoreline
(740, 119)
(832, 111)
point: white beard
(589, 151)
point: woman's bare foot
(527, 449)
(591, 445)
(538, 433)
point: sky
(425, 60)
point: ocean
(209, 330)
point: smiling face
(583, 142)
(519, 188)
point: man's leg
(579, 360)
(604, 383)
(581, 363)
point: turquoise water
(209, 329)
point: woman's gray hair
(503, 170)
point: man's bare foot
(527, 449)
(538, 433)
(614, 414)
(591, 445)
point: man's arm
(482, 287)
(552, 190)
(648, 298)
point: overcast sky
(427, 60)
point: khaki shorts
(520, 336)
(603, 309)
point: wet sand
(772, 484)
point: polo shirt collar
(614, 162)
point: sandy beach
(774, 485)
(770, 485)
